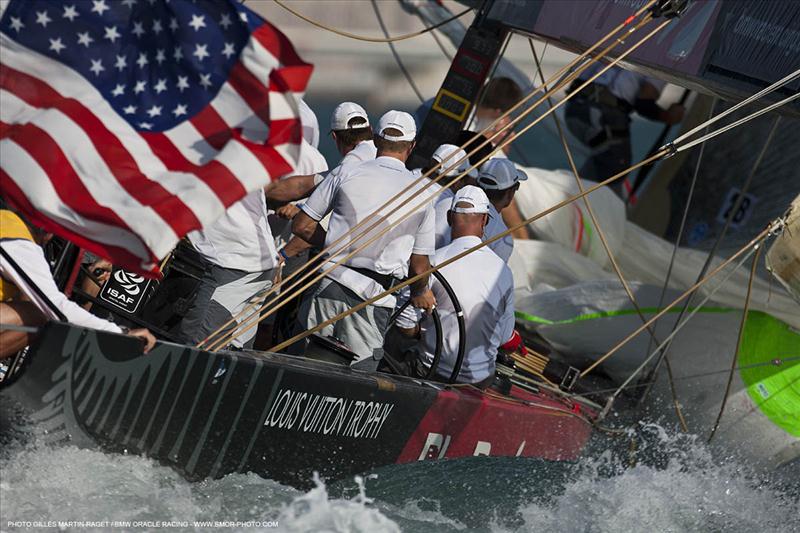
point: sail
(730, 48)
(149, 124)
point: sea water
(648, 480)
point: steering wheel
(437, 325)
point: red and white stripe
(78, 169)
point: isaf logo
(129, 282)
(125, 290)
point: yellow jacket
(11, 227)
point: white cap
(444, 152)
(398, 120)
(346, 111)
(471, 195)
(500, 174)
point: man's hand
(425, 300)
(142, 333)
(98, 266)
(288, 211)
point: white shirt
(29, 256)
(484, 286)
(443, 204)
(240, 239)
(363, 151)
(502, 247)
(624, 84)
(353, 195)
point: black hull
(210, 414)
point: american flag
(125, 124)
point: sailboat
(208, 413)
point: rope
(368, 39)
(739, 122)
(775, 86)
(738, 344)
(685, 216)
(456, 257)
(775, 362)
(425, 175)
(397, 59)
(601, 235)
(718, 241)
(680, 298)
(679, 326)
(505, 142)
(438, 166)
(562, 71)
(438, 41)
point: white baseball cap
(346, 111)
(455, 154)
(500, 174)
(398, 120)
(474, 196)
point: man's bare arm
(421, 296)
(308, 229)
(290, 189)
(512, 217)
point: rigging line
(775, 362)
(309, 271)
(604, 241)
(368, 39)
(685, 216)
(562, 82)
(642, 175)
(505, 142)
(745, 187)
(397, 59)
(678, 326)
(680, 298)
(775, 86)
(738, 344)
(514, 148)
(565, 69)
(458, 256)
(438, 40)
(732, 125)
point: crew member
(454, 157)
(599, 116)
(22, 305)
(237, 254)
(484, 286)
(351, 132)
(500, 179)
(350, 196)
(500, 95)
